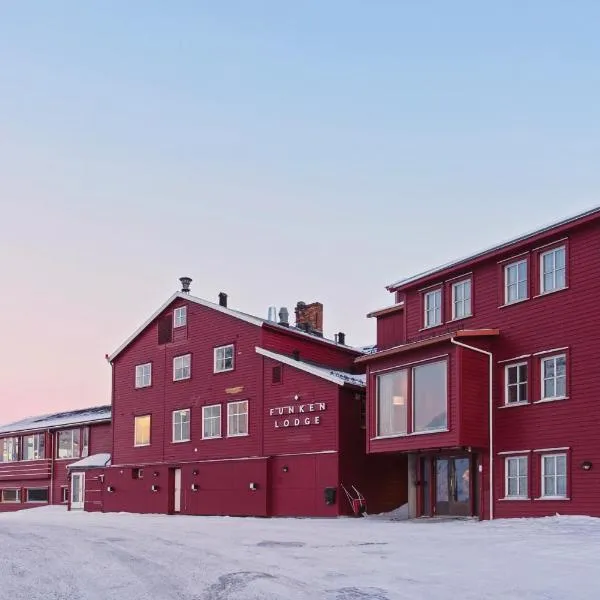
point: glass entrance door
(453, 486)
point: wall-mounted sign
(298, 415)
(235, 390)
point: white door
(177, 489)
(77, 490)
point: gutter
(491, 417)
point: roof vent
(284, 316)
(185, 284)
(272, 314)
(223, 299)
(340, 338)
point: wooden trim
(386, 311)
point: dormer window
(180, 317)
(433, 308)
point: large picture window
(34, 446)
(9, 449)
(430, 405)
(392, 401)
(68, 443)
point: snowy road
(49, 554)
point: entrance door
(177, 491)
(77, 490)
(452, 486)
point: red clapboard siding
(390, 330)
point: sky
(275, 151)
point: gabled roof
(339, 377)
(259, 322)
(82, 416)
(564, 223)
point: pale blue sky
(277, 151)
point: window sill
(142, 387)
(521, 300)
(554, 498)
(557, 399)
(455, 319)
(180, 441)
(408, 435)
(234, 435)
(515, 404)
(212, 437)
(514, 499)
(550, 292)
(182, 379)
(223, 371)
(69, 458)
(141, 445)
(428, 327)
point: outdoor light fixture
(195, 487)
(253, 486)
(156, 473)
(154, 488)
(285, 468)
(110, 488)
(586, 465)
(194, 472)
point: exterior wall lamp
(154, 488)
(110, 488)
(253, 486)
(586, 465)
(194, 487)
(285, 468)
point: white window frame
(220, 360)
(230, 406)
(521, 494)
(17, 501)
(180, 317)
(556, 378)
(554, 270)
(465, 303)
(212, 418)
(182, 367)
(36, 446)
(28, 501)
(136, 443)
(507, 286)
(64, 494)
(10, 449)
(143, 375)
(432, 314)
(74, 431)
(178, 426)
(555, 476)
(518, 385)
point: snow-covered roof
(259, 322)
(339, 377)
(495, 248)
(90, 462)
(62, 419)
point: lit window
(9, 449)
(554, 476)
(224, 358)
(182, 367)
(68, 443)
(143, 375)
(211, 421)
(10, 496)
(237, 418)
(180, 316)
(392, 400)
(515, 282)
(430, 405)
(181, 425)
(554, 377)
(142, 430)
(37, 495)
(515, 470)
(516, 384)
(433, 308)
(461, 299)
(553, 270)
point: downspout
(51, 444)
(490, 417)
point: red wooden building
(485, 378)
(35, 454)
(217, 412)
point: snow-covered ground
(50, 554)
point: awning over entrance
(95, 461)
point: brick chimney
(309, 317)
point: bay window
(430, 397)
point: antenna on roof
(185, 284)
(272, 314)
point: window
(68, 443)
(34, 446)
(433, 308)
(553, 270)
(516, 384)
(224, 358)
(237, 418)
(85, 441)
(181, 425)
(392, 401)
(515, 471)
(430, 397)
(211, 421)
(461, 299)
(10, 449)
(554, 377)
(515, 282)
(180, 317)
(64, 494)
(37, 495)
(182, 367)
(276, 374)
(143, 375)
(11, 496)
(554, 476)
(142, 430)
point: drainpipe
(51, 444)
(491, 416)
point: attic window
(276, 374)
(180, 316)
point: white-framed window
(69, 443)
(553, 270)
(10, 496)
(515, 477)
(34, 446)
(554, 376)
(461, 299)
(554, 476)
(143, 375)
(515, 377)
(9, 449)
(181, 425)
(237, 418)
(37, 495)
(515, 282)
(211, 421)
(180, 316)
(64, 494)
(432, 303)
(430, 396)
(182, 367)
(141, 435)
(224, 358)
(392, 403)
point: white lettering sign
(300, 409)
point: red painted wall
(391, 330)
